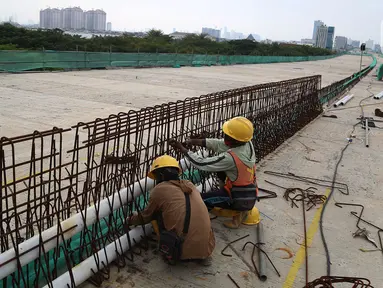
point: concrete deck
(38, 101)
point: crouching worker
(183, 220)
(235, 166)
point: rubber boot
(236, 221)
(206, 262)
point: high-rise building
(95, 20)
(377, 48)
(330, 37)
(321, 37)
(72, 18)
(317, 24)
(109, 26)
(212, 32)
(381, 34)
(370, 44)
(340, 43)
(50, 18)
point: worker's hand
(176, 145)
(189, 142)
(130, 220)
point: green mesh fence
(18, 61)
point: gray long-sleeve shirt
(223, 161)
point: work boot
(206, 262)
(236, 221)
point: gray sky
(273, 19)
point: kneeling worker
(236, 161)
(183, 219)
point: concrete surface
(38, 101)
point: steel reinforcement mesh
(50, 176)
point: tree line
(155, 41)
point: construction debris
(378, 112)
(232, 280)
(288, 251)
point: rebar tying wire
(257, 245)
(301, 197)
(232, 242)
(232, 280)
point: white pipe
(83, 271)
(74, 225)
(336, 104)
(346, 99)
(378, 96)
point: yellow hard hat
(239, 128)
(161, 162)
(252, 217)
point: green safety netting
(17, 61)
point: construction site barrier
(18, 61)
(48, 186)
(330, 92)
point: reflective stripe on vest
(245, 175)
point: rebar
(328, 281)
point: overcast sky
(273, 19)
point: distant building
(225, 35)
(95, 20)
(179, 35)
(370, 44)
(212, 32)
(381, 34)
(321, 37)
(109, 26)
(355, 44)
(51, 18)
(72, 18)
(317, 24)
(377, 48)
(330, 37)
(340, 43)
(309, 42)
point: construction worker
(234, 164)
(181, 221)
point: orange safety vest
(245, 175)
